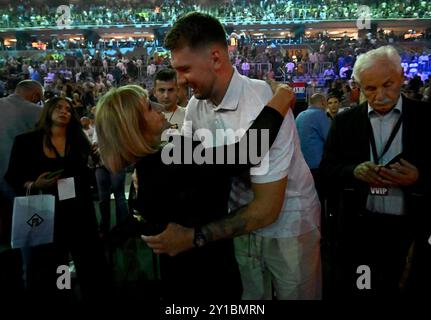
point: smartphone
(54, 174)
(394, 160)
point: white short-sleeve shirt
(242, 103)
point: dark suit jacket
(348, 145)
(28, 162)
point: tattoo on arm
(231, 226)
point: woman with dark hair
(58, 151)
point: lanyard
(394, 132)
(172, 115)
(57, 154)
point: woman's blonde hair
(120, 125)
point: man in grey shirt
(18, 114)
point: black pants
(11, 271)
(321, 194)
(11, 276)
(75, 236)
(206, 274)
(379, 242)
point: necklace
(172, 115)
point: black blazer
(27, 162)
(348, 145)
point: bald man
(313, 126)
(18, 114)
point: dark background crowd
(81, 72)
(26, 14)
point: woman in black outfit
(59, 143)
(129, 129)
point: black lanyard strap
(394, 132)
(57, 154)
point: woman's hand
(273, 84)
(42, 182)
(283, 98)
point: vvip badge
(379, 191)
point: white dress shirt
(393, 202)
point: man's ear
(35, 97)
(216, 57)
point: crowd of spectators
(83, 76)
(28, 13)
(326, 59)
(324, 65)
(88, 74)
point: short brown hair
(332, 96)
(195, 30)
(167, 74)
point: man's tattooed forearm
(229, 227)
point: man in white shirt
(413, 68)
(405, 66)
(245, 67)
(166, 93)
(290, 67)
(329, 74)
(151, 68)
(279, 212)
(423, 61)
(343, 71)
